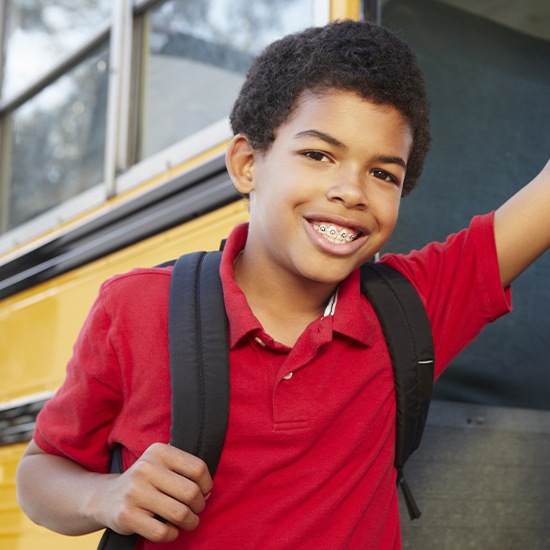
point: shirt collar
(351, 313)
(240, 316)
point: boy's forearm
(522, 227)
(59, 494)
(165, 481)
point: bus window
(196, 55)
(57, 148)
(40, 34)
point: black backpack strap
(408, 334)
(111, 540)
(199, 367)
(199, 357)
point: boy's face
(325, 197)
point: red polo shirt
(308, 456)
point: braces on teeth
(331, 231)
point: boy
(331, 130)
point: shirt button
(288, 376)
(260, 341)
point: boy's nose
(350, 191)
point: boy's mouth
(336, 233)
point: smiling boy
(331, 129)
(312, 182)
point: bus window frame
(122, 173)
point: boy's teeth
(334, 233)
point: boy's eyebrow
(392, 160)
(321, 135)
(337, 143)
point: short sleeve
(459, 283)
(76, 422)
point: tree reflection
(242, 24)
(39, 33)
(58, 141)
(199, 52)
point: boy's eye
(316, 155)
(386, 176)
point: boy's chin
(329, 275)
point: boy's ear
(239, 160)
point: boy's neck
(285, 306)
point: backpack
(200, 391)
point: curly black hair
(356, 56)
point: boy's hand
(59, 494)
(164, 482)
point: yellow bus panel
(39, 326)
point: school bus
(113, 126)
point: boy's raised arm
(522, 227)
(61, 495)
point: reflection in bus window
(58, 140)
(197, 54)
(39, 34)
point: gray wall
(489, 87)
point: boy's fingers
(184, 464)
(169, 513)
(162, 486)
(173, 512)
(147, 526)
(153, 506)
(164, 489)
(182, 490)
